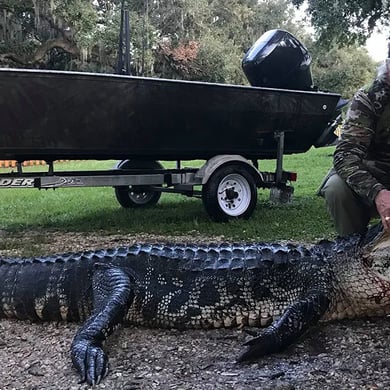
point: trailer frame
(142, 186)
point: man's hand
(382, 202)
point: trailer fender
(216, 162)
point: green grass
(95, 209)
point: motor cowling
(278, 60)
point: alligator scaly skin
(287, 287)
(59, 287)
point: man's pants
(349, 211)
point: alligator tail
(46, 289)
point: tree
(225, 30)
(342, 70)
(186, 39)
(346, 21)
(32, 30)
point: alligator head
(363, 281)
(378, 256)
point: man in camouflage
(357, 188)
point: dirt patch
(341, 355)
(41, 242)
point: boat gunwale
(118, 78)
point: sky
(377, 46)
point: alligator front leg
(298, 318)
(111, 298)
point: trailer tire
(137, 196)
(230, 192)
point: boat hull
(49, 115)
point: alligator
(283, 288)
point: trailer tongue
(51, 115)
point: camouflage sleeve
(357, 134)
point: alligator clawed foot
(90, 361)
(263, 344)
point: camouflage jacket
(362, 157)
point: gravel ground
(341, 355)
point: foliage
(202, 40)
(219, 61)
(346, 21)
(83, 34)
(342, 70)
(41, 30)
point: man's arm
(356, 137)
(358, 133)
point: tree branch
(39, 54)
(56, 43)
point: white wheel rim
(234, 195)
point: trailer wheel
(230, 192)
(137, 196)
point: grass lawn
(94, 209)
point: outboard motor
(278, 60)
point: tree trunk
(4, 26)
